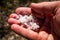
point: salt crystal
(28, 21)
(30, 18)
(25, 16)
(22, 19)
(34, 26)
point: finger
(50, 37)
(43, 35)
(58, 18)
(13, 15)
(56, 24)
(13, 21)
(25, 32)
(58, 15)
(23, 10)
(44, 5)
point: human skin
(36, 8)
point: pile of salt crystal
(28, 21)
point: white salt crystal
(25, 16)
(17, 17)
(23, 20)
(30, 18)
(31, 23)
(28, 21)
(34, 26)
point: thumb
(43, 5)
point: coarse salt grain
(28, 21)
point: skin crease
(48, 7)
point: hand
(37, 8)
(48, 9)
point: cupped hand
(38, 10)
(21, 30)
(48, 10)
